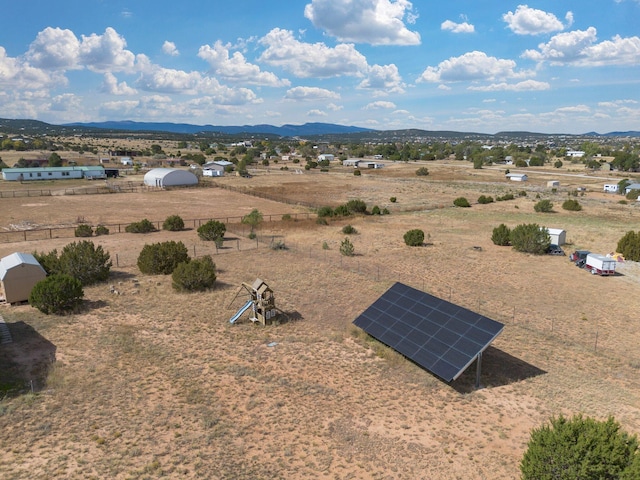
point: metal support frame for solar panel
(440, 336)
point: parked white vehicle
(600, 265)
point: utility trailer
(600, 265)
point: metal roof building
(19, 272)
(169, 177)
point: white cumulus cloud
(454, 27)
(376, 22)
(169, 48)
(531, 21)
(306, 60)
(380, 105)
(383, 77)
(112, 87)
(235, 68)
(310, 93)
(470, 67)
(526, 85)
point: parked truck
(600, 265)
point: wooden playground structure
(261, 302)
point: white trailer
(600, 265)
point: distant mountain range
(283, 131)
(325, 130)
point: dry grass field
(154, 383)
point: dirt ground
(153, 383)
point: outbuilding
(557, 235)
(517, 177)
(169, 177)
(216, 168)
(19, 272)
(553, 183)
(326, 156)
(611, 187)
(351, 162)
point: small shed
(19, 272)
(169, 177)
(630, 187)
(126, 161)
(558, 236)
(215, 168)
(326, 156)
(611, 187)
(517, 177)
(553, 184)
(351, 162)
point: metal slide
(243, 309)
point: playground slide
(239, 313)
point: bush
(482, 199)
(629, 246)
(325, 211)
(253, 219)
(414, 238)
(83, 230)
(212, 230)
(143, 226)
(543, 206)
(173, 223)
(346, 248)
(197, 275)
(357, 172)
(385, 211)
(505, 197)
(162, 258)
(102, 230)
(422, 172)
(279, 245)
(357, 206)
(572, 205)
(558, 164)
(375, 210)
(321, 221)
(530, 238)
(580, 448)
(48, 261)
(632, 195)
(501, 235)
(84, 261)
(57, 294)
(286, 217)
(349, 230)
(461, 202)
(341, 211)
(393, 199)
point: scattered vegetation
(530, 238)
(173, 223)
(211, 231)
(484, 199)
(357, 172)
(376, 210)
(346, 248)
(461, 202)
(393, 199)
(422, 172)
(505, 197)
(572, 205)
(543, 206)
(197, 275)
(414, 238)
(253, 219)
(325, 211)
(57, 294)
(101, 230)
(162, 258)
(83, 230)
(349, 230)
(629, 246)
(579, 447)
(143, 226)
(501, 235)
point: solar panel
(438, 335)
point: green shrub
(101, 230)
(253, 219)
(321, 221)
(211, 230)
(572, 205)
(522, 193)
(325, 212)
(143, 226)
(393, 199)
(357, 206)
(568, 449)
(286, 217)
(162, 258)
(197, 275)
(385, 211)
(57, 294)
(482, 199)
(84, 261)
(530, 238)
(83, 230)
(342, 211)
(629, 246)
(48, 261)
(422, 172)
(632, 195)
(357, 172)
(501, 235)
(279, 245)
(252, 235)
(461, 202)
(349, 230)
(505, 197)
(375, 210)
(414, 238)
(346, 248)
(543, 206)
(623, 202)
(173, 223)
(558, 164)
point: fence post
(50, 234)
(238, 243)
(117, 261)
(194, 252)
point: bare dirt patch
(151, 382)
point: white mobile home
(52, 173)
(169, 177)
(611, 187)
(326, 156)
(351, 162)
(517, 177)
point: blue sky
(543, 66)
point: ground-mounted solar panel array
(440, 336)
